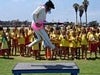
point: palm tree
(76, 7)
(85, 3)
(81, 10)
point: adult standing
(39, 17)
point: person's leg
(45, 37)
(44, 44)
(37, 40)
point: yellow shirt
(93, 38)
(55, 39)
(21, 40)
(84, 40)
(78, 44)
(88, 34)
(97, 36)
(72, 42)
(63, 41)
(36, 46)
(30, 33)
(0, 38)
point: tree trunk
(76, 19)
(86, 17)
(80, 21)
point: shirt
(39, 15)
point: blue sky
(22, 10)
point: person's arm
(38, 16)
(35, 14)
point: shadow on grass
(15, 55)
(90, 73)
(91, 58)
(98, 57)
(10, 58)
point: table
(50, 67)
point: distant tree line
(94, 23)
(27, 23)
(14, 23)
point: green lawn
(87, 67)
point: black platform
(52, 67)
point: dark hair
(50, 4)
(1, 28)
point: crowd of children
(73, 41)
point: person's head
(49, 5)
(1, 30)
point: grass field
(87, 67)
